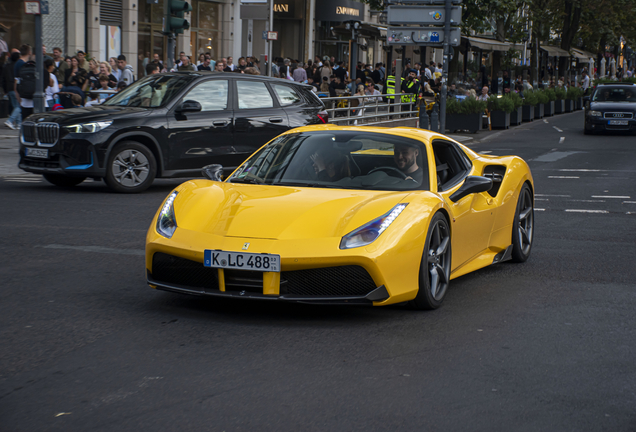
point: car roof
(237, 76)
(617, 84)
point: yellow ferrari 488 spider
(329, 214)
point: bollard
(424, 120)
(435, 119)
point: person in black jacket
(7, 81)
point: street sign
(32, 7)
(422, 15)
(423, 36)
(424, 2)
(272, 35)
(44, 7)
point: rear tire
(523, 226)
(435, 267)
(62, 180)
(131, 168)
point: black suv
(165, 125)
(612, 107)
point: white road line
(558, 130)
(594, 201)
(585, 211)
(560, 196)
(610, 196)
(563, 177)
(485, 152)
(629, 202)
(545, 121)
(580, 170)
(561, 140)
(539, 209)
(98, 249)
(541, 199)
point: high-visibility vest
(410, 97)
(390, 86)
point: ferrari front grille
(180, 271)
(341, 281)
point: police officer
(410, 89)
(389, 85)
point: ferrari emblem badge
(246, 246)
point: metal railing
(368, 110)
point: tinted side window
(212, 95)
(253, 94)
(286, 95)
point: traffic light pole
(171, 47)
(38, 96)
(447, 55)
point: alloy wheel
(439, 260)
(130, 168)
(526, 221)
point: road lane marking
(592, 201)
(486, 152)
(563, 177)
(558, 130)
(629, 202)
(585, 211)
(539, 209)
(580, 170)
(541, 199)
(545, 121)
(561, 140)
(610, 196)
(554, 156)
(548, 195)
(97, 249)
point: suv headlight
(594, 113)
(370, 231)
(166, 222)
(90, 127)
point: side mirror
(188, 106)
(214, 172)
(472, 184)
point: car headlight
(370, 231)
(594, 113)
(166, 222)
(90, 127)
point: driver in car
(406, 160)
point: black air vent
(110, 12)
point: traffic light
(174, 16)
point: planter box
(569, 105)
(548, 109)
(527, 112)
(4, 108)
(516, 117)
(469, 122)
(500, 120)
(538, 111)
(559, 106)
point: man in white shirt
(585, 82)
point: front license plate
(37, 153)
(619, 122)
(241, 261)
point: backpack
(26, 86)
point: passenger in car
(331, 165)
(406, 160)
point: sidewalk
(9, 145)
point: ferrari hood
(277, 212)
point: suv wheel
(131, 167)
(62, 180)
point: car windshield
(615, 94)
(150, 92)
(339, 159)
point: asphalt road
(549, 345)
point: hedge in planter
(464, 115)
(530, 101)
(516, 116)
(500, 109)
(572, 98)
(548, 107)
(559, 105)
(542, 99)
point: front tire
(523, 226)
(435, 267)
(62, 180)
(131, 168)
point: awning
(367, 30)
(555, 51)
(582, 56)
(488, 44)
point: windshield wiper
(250, 180)
(304, 184)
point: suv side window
(253, 95)
(286, 95)
(211, 94)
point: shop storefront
(16, 27)
(329, 17)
